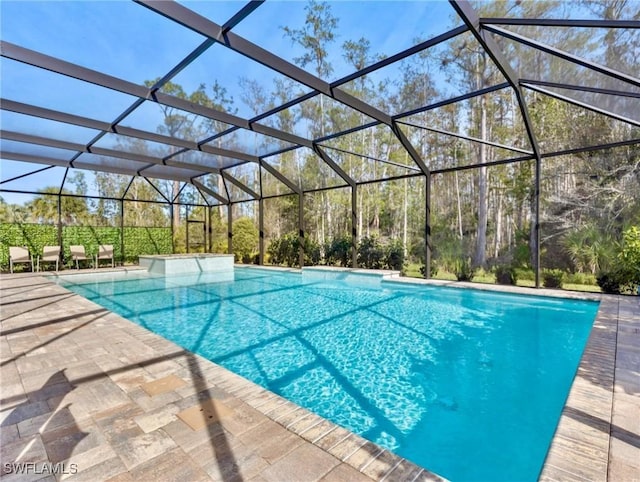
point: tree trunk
(360, 213)
(483, 198)
(322, 238)
(405, 202)
(175, 189)
(460, 232)
(327, 210)
(498, 239)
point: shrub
(630, 256)
(522, 250)
(622, 279)
(370, 253)
(312, 254)
(590, 248)
(274, 250)
(611, 282)
(245, 238)
(624, 274)
(525, 274)
(449, 251)
(394, 258)
(463, 270)
(338, 251)
(284, 250)
(433, 270)
(506, 275)
(580, 278)
(552, 278)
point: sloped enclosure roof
(222, 95)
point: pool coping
(580, 450)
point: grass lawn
(413, 271)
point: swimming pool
(469, 384)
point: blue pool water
(469, 384)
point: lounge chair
(78, 254)
(18, 254)
(105, 251)
(50, 254)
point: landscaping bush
(624, 273)
(580, 278)
(284, 250)
(463, 270)
(312, 253)
(525, 274)
(245, 239)
(506, 275)
(630, 257)
(613, 282)
(370, 253)
(394, 258)
(522, 251)
(433, 270)
(274, 251)
(552, 278)
(338, 251)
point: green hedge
(32, 236)
(137, 240)
(90, 237)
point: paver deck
(88, 395)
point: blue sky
(128, 41)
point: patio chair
(105, 251)
(50, 254)
(78, 254)
(18, 254)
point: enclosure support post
(60, 224)
(536, 221)
(301, 228)
(209, 232)
(354, 225)
(186, 229)
(427, 227)
(173, 234)
(229, 229)
(122, 231)
(261, 229)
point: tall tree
(44, 207)
(182, 124)
(315, 38)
